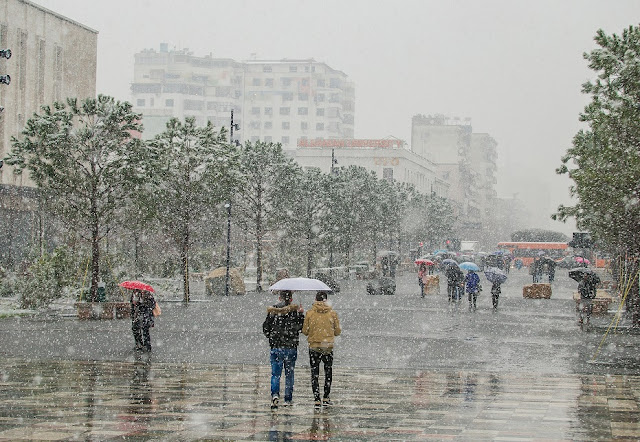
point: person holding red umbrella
(143, 309)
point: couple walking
(282, 327)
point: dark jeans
(141, 335)
(315, 357)
(283, 358)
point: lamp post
(226, 277)
(333, 172)
(228, 207)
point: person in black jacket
(142, 304)
(282, 327)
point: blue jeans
(283, 357)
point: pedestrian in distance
(422, 272)
(587, 287)
(321, 326)
(282, 328)
(495, 294)
(143, 309)
(455, 281)
(472, 284)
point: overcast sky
(514, 67)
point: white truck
(468, 246)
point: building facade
(280, 101)
(53, 57)
(467, 161)
(388, 158)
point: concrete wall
(53, 58)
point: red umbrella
(427, 262)
(136, 285)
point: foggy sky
(514, 67)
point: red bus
(527, 251)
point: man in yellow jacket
(320, 326)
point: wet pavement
(406, 368)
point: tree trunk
(95, 258)
(309, 248)
(259, 235)
(184, 258)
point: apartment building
(388, 158)
(467, 161)
(53, 57)
(279, 101)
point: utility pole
(333, 163)
(228, 207)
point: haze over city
(514, 68)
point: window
(293, 68)
(286, 82)
(268, 111)
(303, 111)
(266, 68)
(169, 102)
(255, 139)
(254, 125)
(319, 126)
(140, 102)
(387, 173)
(335, 82)
(255, 111)
(305, 82)
(320, 98)
(303, 96)
(320, 82)
(286, 125)
(285, 110)
(287, 96)
(193, 105)
(256, 82)
(268, 139)
(334, 98)
(285, 140)
(320, 112)
(268, 125)
(304, 125)
(151, 102)
(268, 82)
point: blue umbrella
(469, 266)
(494, 274)
(450, 262)
(440, 252)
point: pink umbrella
(136, 285)
(427, 262)
(581, 260)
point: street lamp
(228, 207)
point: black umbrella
(578, 273)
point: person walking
(495, 294)
(587, 288)
(455, 279)
(321, 326)
(142, 306)
(282, 328)
(472, 283)
(422, 272)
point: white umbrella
(300, 284)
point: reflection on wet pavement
(142, 399)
